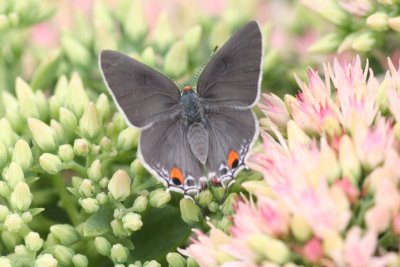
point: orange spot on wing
(176, 173)
(187, 88)
(233, 159)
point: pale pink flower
(357, 7)
(359, 248)
(396, 224)
(275, 109)
(312, 250)
(377, 218)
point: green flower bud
(163, 33)
(42, 105)
(21, 197)
(128, 139)
(348, 160)
(9, 100)
(46, 260)
(300, 228)
(66, 153)
(394, 23)
(10, 240)
(104, 182)
(102, 245)
(190, 212)
(17, 122)
(119, 253)
(60, 135)
(364, 42)
(77, 99)
(132, 222)
(90, 205)
(7, 135)
(102, 198)
(118, 228)
(205, 197)
(140, 204)
(54, 106)
(152, 263)
(191, 263)
(105, 144)
(296, 135)
(61, 89)
(27, 216)
(50, 163)
(192, 38)
(76, 52)
(33, 241)
(3, 155)
(277, 251)
(176, 260)
(4, 211)
(137, 168)
(94, 172)
(135, 24)
(26, 99)
(22, 154)
(65, 233)
(176, 60)
(227, 207)
(219, 193)
(120, 185)
(21, 251)
(378, 21)
(43, 135)
(159, 198)
(87, 188)
(14, 175)
(45, 72)
(63, 255)
(103, 107)
(4, 262)
(219, 34)
(326, 44)
(90, 122)
(4, 189)
(213, 206)
(68, 120)
(13, 223)
(148, 56)
(80, 260)
(76, 182)
(81, 147)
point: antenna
(200, 70)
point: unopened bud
(50, 163)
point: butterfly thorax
(191, 109)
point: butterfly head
(187, 89)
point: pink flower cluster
(331, 191)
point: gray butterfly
(190, 137)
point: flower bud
(213, 206)
(151, 263)
(348, 159)
(176, 260)
(60, 134)
(296, 136)
(332, 242)
(21, 251)
(118, 228)
(159, 198)
(106, 144)
(378, 218)
(80, 260)
(61, 89)
(192, 38)
(176, 60)
(329, 164)
(43, 135)
(148, 56)
(27, 215)
(45, 73)
(394, 23)
(90, 205)
(86, 188)
(63, 255)
(137, 169)
(120, 185)
(14, 175)
(312, 250)
(140, 204)
(218, 192)
(135, 24)
(76, 182)
(65, 233)
(191, 262)
(4, 190)
(190, 212)
(102, 245)
(326, 44)
(81, 147)
(103, 107)
(128, 139)
(77, 98)
(273, 249)
(66, 153)
(364, 42)
(90, 122)
(205, 197)
(68, 120)
(102, 198)
(378, 21)
(46, 260)
(50, 163)
(132, 221)
(21, 197)
(94, 171)
(16, 120)
(4, 262)
(119, 253)
(227, 207)
(3, 155)
(33, 241)
(104, 182)
(22, 154)
(42, 105)
(13, 223)
(76, 52)
(26, 99)
(300, 228)
(163, 33)
(7, 135)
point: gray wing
(143, 94)
(167, 155)
(233, 76)
(231, 133)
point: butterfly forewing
(143, 94)
(232, 77)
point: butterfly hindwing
(233, 76)
(231, 133)
(143, 94)
(165, 150)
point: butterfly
(192, 136)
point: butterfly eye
(176, 176)
(233, 159)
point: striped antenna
(202, 67)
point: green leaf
(36, 211)
(99, 222)
(162, 232)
